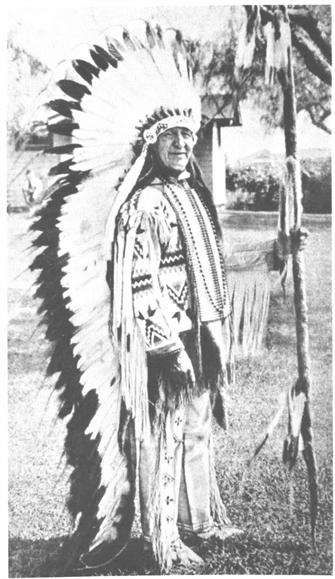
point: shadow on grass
(39, 558)
(44, 558)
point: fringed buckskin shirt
(177, 270)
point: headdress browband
(151, 135)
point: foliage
(19, 54)
(313, 95)
(26, 82)
(317, 185)
(310, 34)
(257, 186)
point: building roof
(220, 108)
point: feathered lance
(299, 412)
(275, 26)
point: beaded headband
(151, 135)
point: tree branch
(317, 121)
(307, 21)
(318, 103)
(314, 61)
(325, 115)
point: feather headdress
(121, 99)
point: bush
(257, 186)
(317, 185)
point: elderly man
(181, 306)
(143, 353)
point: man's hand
(286, 245)
(299, 239)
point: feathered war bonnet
(113, 104)
(131, 89)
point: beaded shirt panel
(202, 245)
(175, 260)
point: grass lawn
(270, 504)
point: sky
(55, 31)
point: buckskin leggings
(187, 468)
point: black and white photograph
(169, 289)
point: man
(180, 300)
(142, 360)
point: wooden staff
(294, 207)
(279, 58)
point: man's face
(174, 148)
